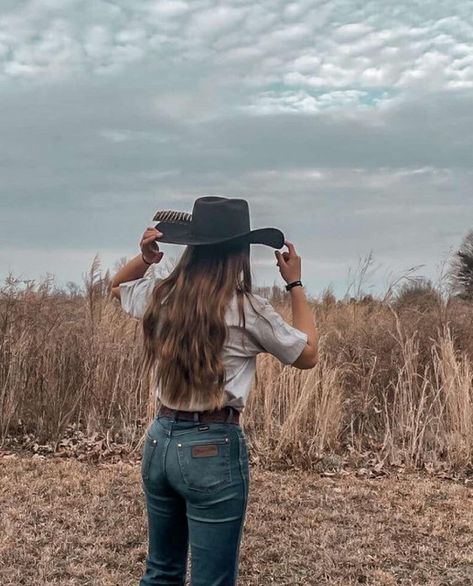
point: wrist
(145, 260)
(295, 284)
(292, 279)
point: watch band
(289, 286)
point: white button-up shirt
(277, 337)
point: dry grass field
(393, 386)
(70, 523)
(362, 467)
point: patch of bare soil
(66, 522)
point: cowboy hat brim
(180, 233)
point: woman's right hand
(289, 263)
(149, 246)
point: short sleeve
(135, 295)
(282, 340)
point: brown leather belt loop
(225, 415)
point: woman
(203, 328)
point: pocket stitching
(204, 442)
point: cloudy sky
(346, 123)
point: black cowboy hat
(214, 219)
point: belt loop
(175, 414)
(196, 417)
(229, 417)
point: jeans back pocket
(205, 464)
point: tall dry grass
(393, 386)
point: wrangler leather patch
(204, 451)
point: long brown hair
(184, 324)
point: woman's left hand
(149, 246)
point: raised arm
(302, 315)
(138, 265)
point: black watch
(289, 286)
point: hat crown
(220, 217)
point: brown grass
(393, 387)
(68, 523)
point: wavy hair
(184, 324)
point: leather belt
(217, 415)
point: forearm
(303, 316)
(134, 269)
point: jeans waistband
(170, 427)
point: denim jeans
(195, 480)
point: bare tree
(461, 271)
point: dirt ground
(66, 522)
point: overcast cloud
(347, 124)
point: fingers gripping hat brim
(180, 233)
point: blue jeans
(195, 479)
